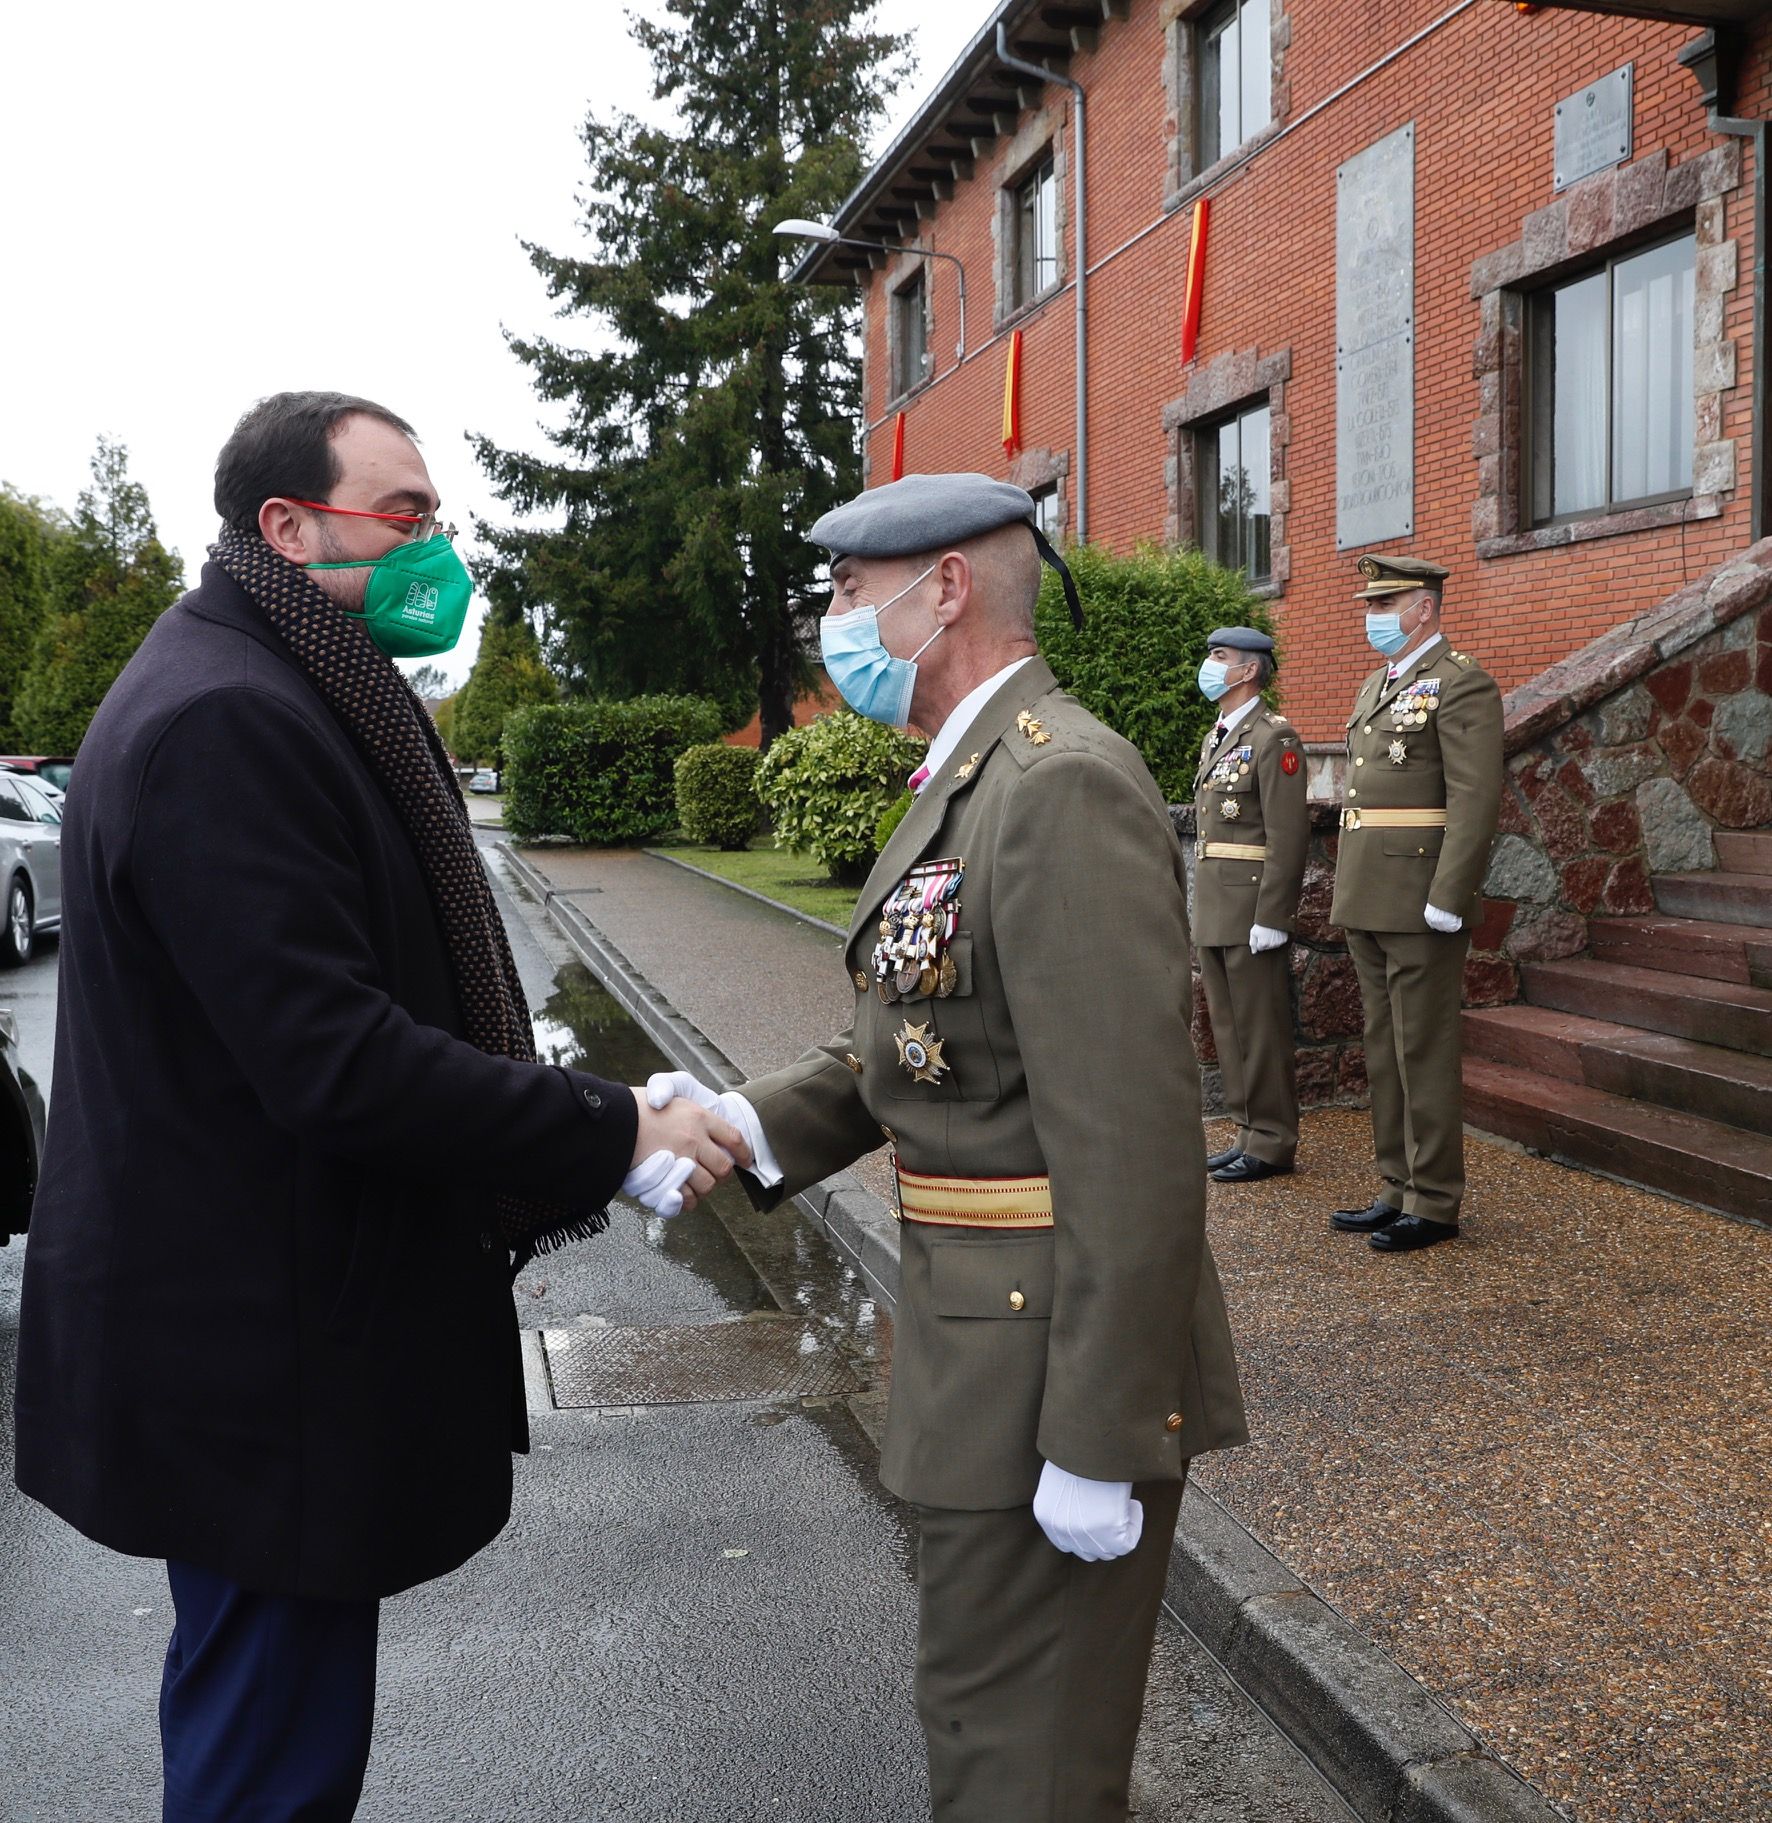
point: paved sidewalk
(1532, 1466)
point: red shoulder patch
(1289, 761)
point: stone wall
(1622, 761)
(1326, 1019)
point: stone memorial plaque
(1375, 343)
(1593, 129)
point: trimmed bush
(1137, 659)
(890, 821)
(600, 773)
(717, 795)
(828, 784)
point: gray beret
(1239, 639)
(921, 513)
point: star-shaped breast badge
(919, 1053)
(1399, 753)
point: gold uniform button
(1173, 1422)
(1352, 793)
(853, 1062)
(1017, 1301)
(1368, 727)
(861, 982)
(1361, 761)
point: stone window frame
(1180, 19)
(1231, 383)
(899, 276)
(1035, 469)
(1042, 135)
(1602, 216)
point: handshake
(689, 1139)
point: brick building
(1572, 351)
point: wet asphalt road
(699, 1611)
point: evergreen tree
(696, 451)
(28, 531)
(508, 674)
(110, 579)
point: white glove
(658, 1180)
(1095, 1520)
(664, 1086)
(1444, 922)
(1264, 936)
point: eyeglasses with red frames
(424, 525)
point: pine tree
(697, 450)
(110, 579)
(508, 674)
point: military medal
(1230, 810)
(920, 1053)
(1399, 753)
(916, 925)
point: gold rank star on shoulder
(1029, 724)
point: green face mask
(418, 597)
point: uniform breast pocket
(1413, 843)
(1004, 1278)
(968, 1066)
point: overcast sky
(210, 202)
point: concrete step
(1724, 898)
(1745, 851)
(1685, 1006)
(1685, 946)
(1678, 1154)
(1733, 1088)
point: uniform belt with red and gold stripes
(1007, 1203)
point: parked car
(30, 865)
(483, 781)
(57, 770)
(21, 1133)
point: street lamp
(796, 229)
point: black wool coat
(259, 1329)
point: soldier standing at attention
(1253, 829)
(1022, 988)
(1423, 795)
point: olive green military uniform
(1423, 795)
(1055, 1046)
(1252, 826)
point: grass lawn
(778, 873)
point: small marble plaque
(1593, 128)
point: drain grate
(693, 1364)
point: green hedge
(600, 773)
(1136, 661)
(717, 795)
(891, 820)
(828, 784)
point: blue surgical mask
(868, 678)
(1212, 684)
(1384, 633)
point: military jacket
(1427, 740)
(1061, 1031)
(1249, 793)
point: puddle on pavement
(752, 1260)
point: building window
(1610, 379)
(1036, 232)
(1048, 512)
(1236, 62)
(910, 356)
(1234, 462)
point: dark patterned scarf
(377, 708)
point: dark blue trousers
(266, 1704)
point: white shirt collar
(1238, 716)
(966, 710)
(1414, 658)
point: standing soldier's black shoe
(1409, 1232)
(1228, 1156)
(1379, 1214)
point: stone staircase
(1650, 1058)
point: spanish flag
(898, 448)
(1012, 396)
(1196, 283)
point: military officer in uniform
(1253, 830)
(1019, 963)
(1423, 795)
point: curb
(750, 892)
(1380, 1738)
